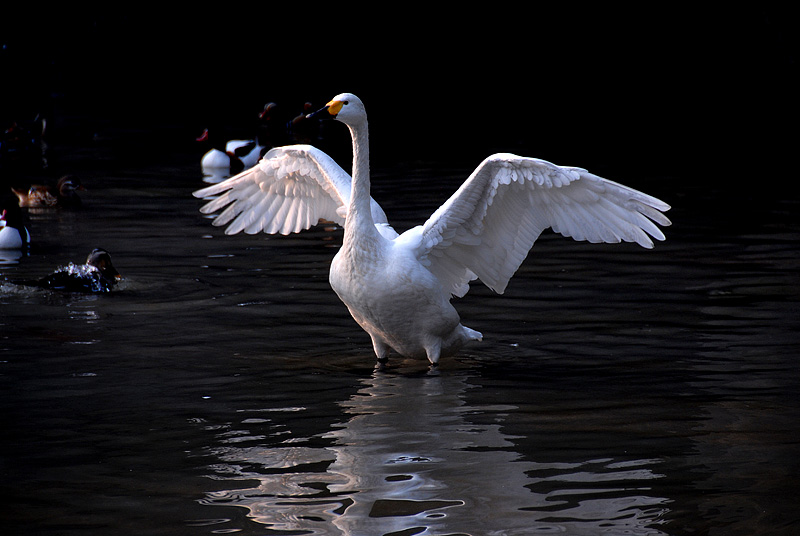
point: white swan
(398, 287)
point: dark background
(664, 91)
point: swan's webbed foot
(434, 351)
(381, 350)
(381, 363)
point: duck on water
(96, 275)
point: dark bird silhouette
(97, 275)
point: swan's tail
(471, 334)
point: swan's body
(398, 287)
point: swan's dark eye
(346, 103)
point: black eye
(346, 103)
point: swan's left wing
(289, 190)
(486, 229)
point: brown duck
(64, 194)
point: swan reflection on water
(409, 459)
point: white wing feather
(291, 189)
(486, 229)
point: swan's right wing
(291, 189)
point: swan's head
(344, 107)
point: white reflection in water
(84, 313)
(409, 459)
(10, 256)
(215, 175)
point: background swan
(398, 287)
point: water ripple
(409, 459)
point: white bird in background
(13, 233)
(398, 287)
(249, 152)
(214, 158)
(237, 156)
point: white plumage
(215, 159)
(13, 233)
(398, 287)
(290, 190)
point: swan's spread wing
(487, 228)
(289, 190)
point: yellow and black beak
(329, 111)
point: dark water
(224, 389)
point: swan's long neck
(359, 212)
